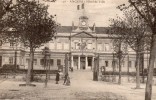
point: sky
(98, 12)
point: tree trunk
(142, 66)
(148, 92)
(128, 68)
(119, 81)
(29, 72)
(137, 70)
(113, 65)
(32, 70)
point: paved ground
(82, 88)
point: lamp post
(46, 53)
(96, 68)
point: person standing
(57, 77)
(65, 78)
(68, 81)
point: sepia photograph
(77, 50)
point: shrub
(9, 68)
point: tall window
(59, 45)
(58, 62)
(130, 63)
(10, 60)
(27, 61)
(107, 48)
(35, 61)
(99, 46)
(89, 45)
(51, 62)
(22, 60)
(77, 45)
(113, 63)
(106, 63)
(11, 43)
(41, 61)
(66, 46)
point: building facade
(82, 42)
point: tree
(36, 27)
(6, 8)
(147, 10)
(133, 31)
(119, 47)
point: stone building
(82, 42)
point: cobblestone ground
(82, 88)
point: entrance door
(82, 63)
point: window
(10, 60)
(59, 45)
(66, 46)
(77, 45)
(123, 63)
(129, 63)
(89, 61)
(113, 63)
(35, 61)
(107, 48)
(11, 43)
(99, 46)
(41, 61)
(89, 45)
(58, 62)
(106, 63)
(27, 61)
(51, 62)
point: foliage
(6, 8)
(33, 23)
(9, 68)
(147, 11)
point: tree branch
(143, 16)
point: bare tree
(147, 10)
(132, 29)
(119, 47)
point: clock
(83, 23)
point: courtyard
(82, 88)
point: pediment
(83, 34)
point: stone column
(78, 62)
(86, 62)
(92, 63)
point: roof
(68, 29)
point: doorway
(82, 63)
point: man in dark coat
(57, 77)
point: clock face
(83, 23)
